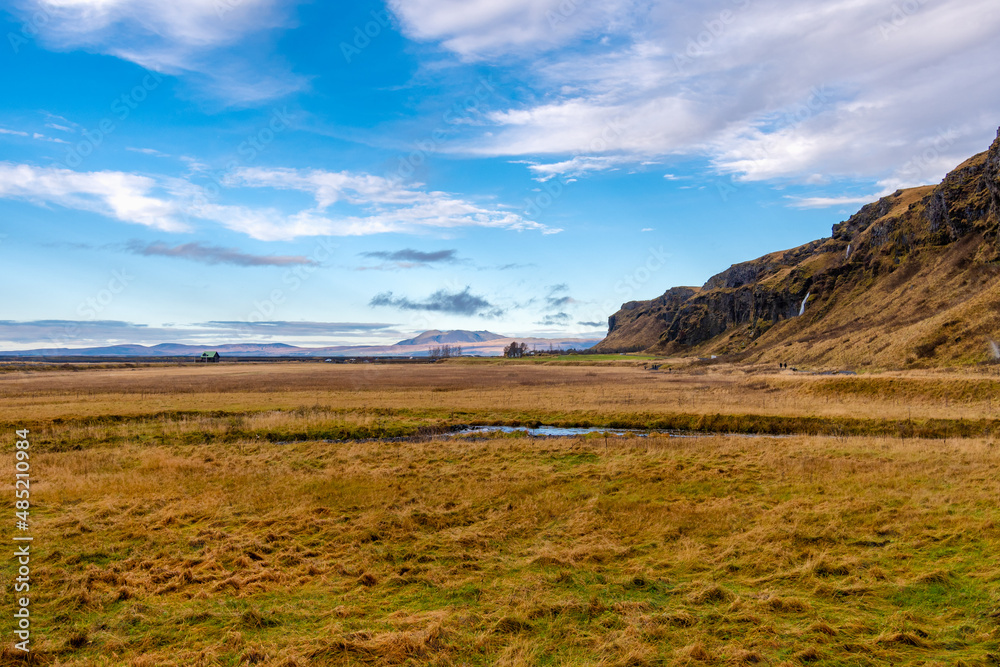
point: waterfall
(848, 255)
(802, 309)
(995, 349)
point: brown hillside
(912, 279)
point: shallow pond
(570, 431)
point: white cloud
(828, 202)
(812, 91)
(181, 24)
(388, 205)
(41, 137)
(381, 205)
(124, 197)
(38, 136)
(576, 166)
(147, 151)
(194, 37)
(61, 123)
(639, 128)
(481, 28)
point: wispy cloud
(292, 329)
(557, 297)
(147, 151)
(512, 266)
(458, 303)
(124, 197)
(408, 259)
(828, 202)
(196, 38)
(478, 29)
(37, 136)
(391, 206)
(410, 255)
(61, 123)
(96, 333)
(378, 205)
(670, 80)
(554, 319)
(581, 165)
(209, 254)
(73, 333)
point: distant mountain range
(483, 343)
(456, 337)
(910, 280)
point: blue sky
(339, 173)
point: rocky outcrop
(863, 278)
(991, 174)
(639, 324)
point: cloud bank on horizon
(245, 159)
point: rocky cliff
(912, 279)
(639, 324)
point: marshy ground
(192, 516)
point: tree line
(445, 351)
(515, 350)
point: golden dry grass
(512, 387)
(162, 546)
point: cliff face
(913, 278)
(639, 324)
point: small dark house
(209, 357)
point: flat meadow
(288, 514)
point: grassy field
(193, 516)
